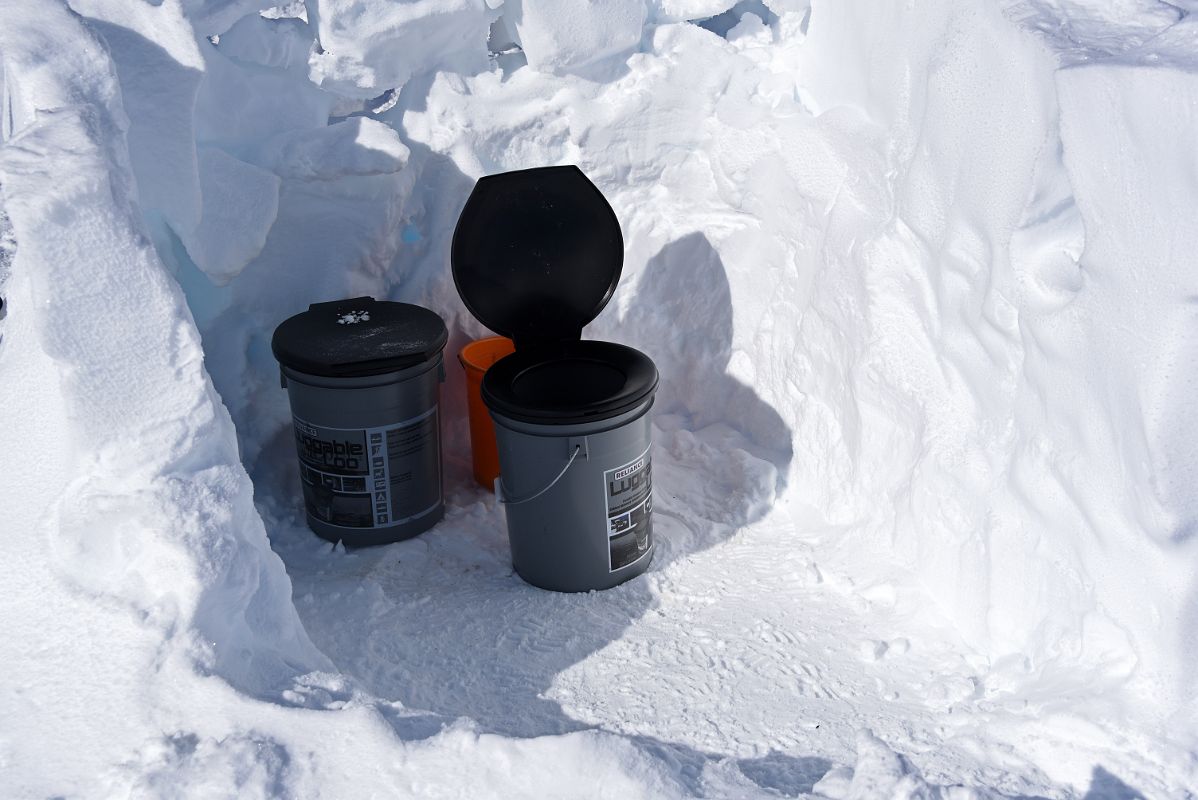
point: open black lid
(358, 337)
(537, 253)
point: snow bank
(156, 511)
(881, 772)
(916, 281)
(679, 10)
(368, 47)
(1016, 503)
(240, 204)
(139, 539)
(145, 609)
(561, 36)
(1135, 188)
(920, 337)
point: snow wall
(946, 247)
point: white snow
(282, 43)
(677, 10)
(566, 35)
(240, 203)
(368, 47)
(918, 280)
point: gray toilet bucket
(536, 256)
(578, 499)
(363, 378)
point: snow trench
(917, 283)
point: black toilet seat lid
(583, 381)
(537, 253)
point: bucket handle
(552, 483)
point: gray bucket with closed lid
(363, 378)
(536, 256)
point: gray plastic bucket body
(592, 528)
(370, 452)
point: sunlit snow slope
(919, 281)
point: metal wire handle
(552, 483)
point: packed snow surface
(919, 282)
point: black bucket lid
(358, 337)
(537, 253)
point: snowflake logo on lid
(353, 317)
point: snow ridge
(917, 284)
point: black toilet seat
(576, 382)
(536, 255)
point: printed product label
(629, 492)
(370, 477)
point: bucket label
(629, 493)
(370, 477)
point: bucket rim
(503, 392)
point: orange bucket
(476, 358)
